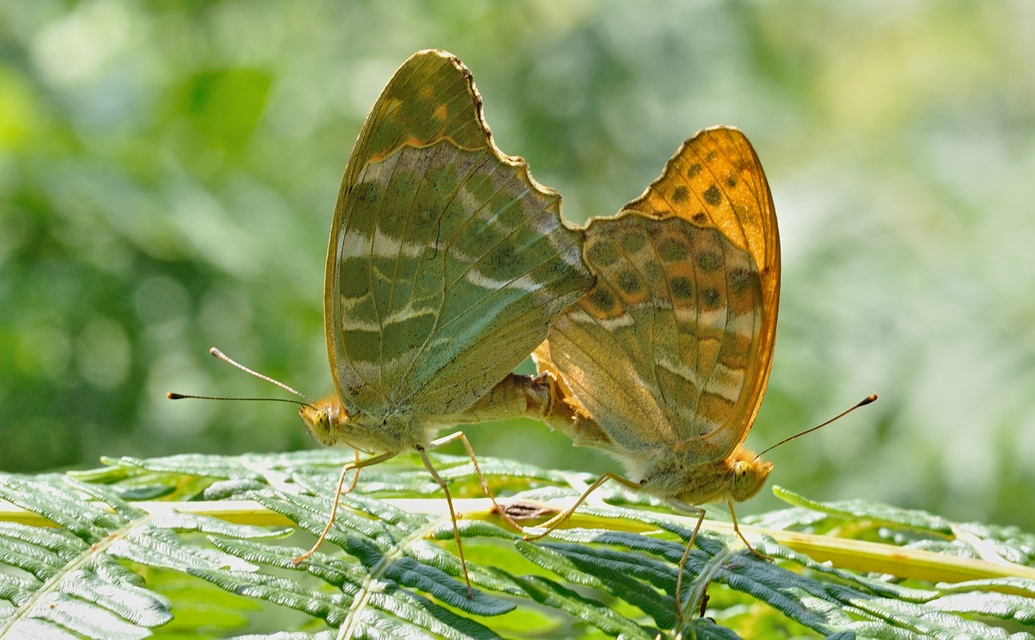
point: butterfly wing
(446, 260)
(672, 347)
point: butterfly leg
(459, 435)
(740, 534)
(355, 478)
(685, 558)
(558, 519)
(357, 465)
(452, 514)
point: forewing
(716, 179)
(446, 260)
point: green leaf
(214, 558)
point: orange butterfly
(665, 360)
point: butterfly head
(324, 419)
(749, 474)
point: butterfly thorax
(737, 477)
(331, 424)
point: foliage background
(168, 172)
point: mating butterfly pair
(448, 264)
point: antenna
(865, 401)
(219, 355)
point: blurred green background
(168, 172)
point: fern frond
(147, 546)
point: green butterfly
(446, 263)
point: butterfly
(665, 360)
(445, 265)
